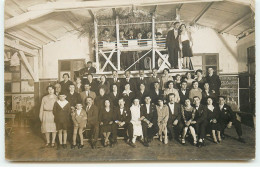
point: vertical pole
(96, 43)
(178, 17)
(117, 41)
(153, 41)
(36, 68)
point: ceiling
(226, 16)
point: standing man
(174, 124)
(213, 81)
(149, 120)
(200, 121)
(228, 118)
(172, 44)
(87, 93)
(122, 119)
(93, 124)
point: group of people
(178, 44)
(171, 107)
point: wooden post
(36, 68)
(118, 42)
(153, 41)
(96, 43)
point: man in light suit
(174, 124)
(172, 44)
(87, 93)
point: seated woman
(136, 120)
(214, 120)
(104, 84)
(163, 116)
(177, 82)
(106, 121)
(189, 80)
(200, 78)
(195, 91)
(170, 90)
(207, 93)
(188, 114)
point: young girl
(213, 118)
(106, 121)
(79, 118)
(188, 114)
(61, 111)
(136, 120)
(163, 115)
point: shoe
(165, 140)
(52, 145)
(215, 141)
(80, 146)
(241, 140)
(183, 141)
(73, 146)
(132, 144)
(160, 138)
(64, 146)
(194, 143)
(47, 145)
(199, 144)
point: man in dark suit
(174, 124)
(141, 93)
(172, 44)
(183, 92)
(114, 95)
(129, 80)
(214, 81)
(149, 120)
(200, 121)
(152, 79)
(228, 118)
(141, 79)
(156, 93)
(115, 80)
(122, 119)
(92, 82)
(89, 68)
(93, 124)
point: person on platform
(149, 120)
(214, 81)
(125, 61)
(174, 124)
(165, 78)
(104, 83)
(87, 93)
(79, 118)
(46, 116)
(228, 118)
(200, 78)
(136, 121)
(89, 69)
(183, 92)
(65, 83)
(195, 91)
(213, 120)
(122, 118)
(170, 89)
(62, 118)
(173, 46)
(78, 85)
(200, 121)
(186, 44)
(106, 36)
(163, 116)
(93, 120)
(130, 35)
(106, 115)
(156, 92)
(188, 115)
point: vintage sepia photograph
(129, 80)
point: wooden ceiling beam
(250, 3)
(15, 45)
(236, 23)
(72, 23)
(203, 11)
(29, 32)
(42, 32)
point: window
(204, 61)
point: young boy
(79, 118)
(61, 112)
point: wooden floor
(23, 145)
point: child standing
(61, 111)
(79, 118)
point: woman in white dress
(136, 119)
(46, 116)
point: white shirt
(115, 79)
(221, 107)
(141, 78)
(148, 108)
(78, 112)
(175, 33)
(183, 92)
(127, 79)
(157, 92)
(171, 106)
(87, 93)
(121, 110)
(115, 93)
(62, 103)
(197, 107)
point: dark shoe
(64, 146)
(73, 146)
(216, 142)
(132, 144)
(81, 146)
(203, 143)
(241, 140)
(199, 144)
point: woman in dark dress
(188, 114)
(214, 120)
(106, 121)
(200, 78)
(104, 84)
(207, 93)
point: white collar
(62, 103)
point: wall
(69, 47)
(242, 46)
(206, 40)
